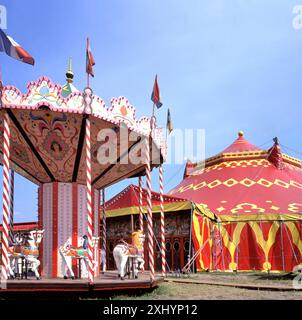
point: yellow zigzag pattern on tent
(247, 182)
(265, 245)
(202, 237)
(231, 243)
(199, 235)
(295, 235)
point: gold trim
(168, 207)
(260, 217)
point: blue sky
(223, 65)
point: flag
(89, 60)
(155, 97)
(13, 49)
(169, 122)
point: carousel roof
(243, 181)
(127, 202)
(47, 127)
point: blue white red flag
(13, 49)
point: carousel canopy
(127, 202)
(244, 182)
(47, 127)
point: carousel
(53, 135)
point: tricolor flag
(169, 122)
(13, 49)
(89, 60)
(155, 97)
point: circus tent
(127, 202)
(255, 196)
(122, 212)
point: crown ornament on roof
(275, 155)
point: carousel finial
(240, 133)
(69, 73)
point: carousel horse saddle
(132, 250)
(26, 251)
(75, 252)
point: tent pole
(190, 235)
(282, 246)
(221, 247)
(214, 251)
(237, 254)
(132, 223)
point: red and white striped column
(140, 208)
(149, 211)
(11, 206)
(89, 201)
(162, 221)
(140, 204)
(6, 197)
(104, 231)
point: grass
(162, 290)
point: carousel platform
(107, 284)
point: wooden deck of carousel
(107, 284)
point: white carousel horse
(28, 249)
(14, 259)
(68, 252)
(122, 251)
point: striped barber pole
(140, 207)
(11, 208)
(89, 202)
(140, 204)
(149, 211)
(104, 230)
(6, 156)
(162, 221)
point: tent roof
(243, 180)
(240, 144)
(127, 202)
(23, 226)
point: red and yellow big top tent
(255, 196)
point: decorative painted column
(63, 216)
(6, 158)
